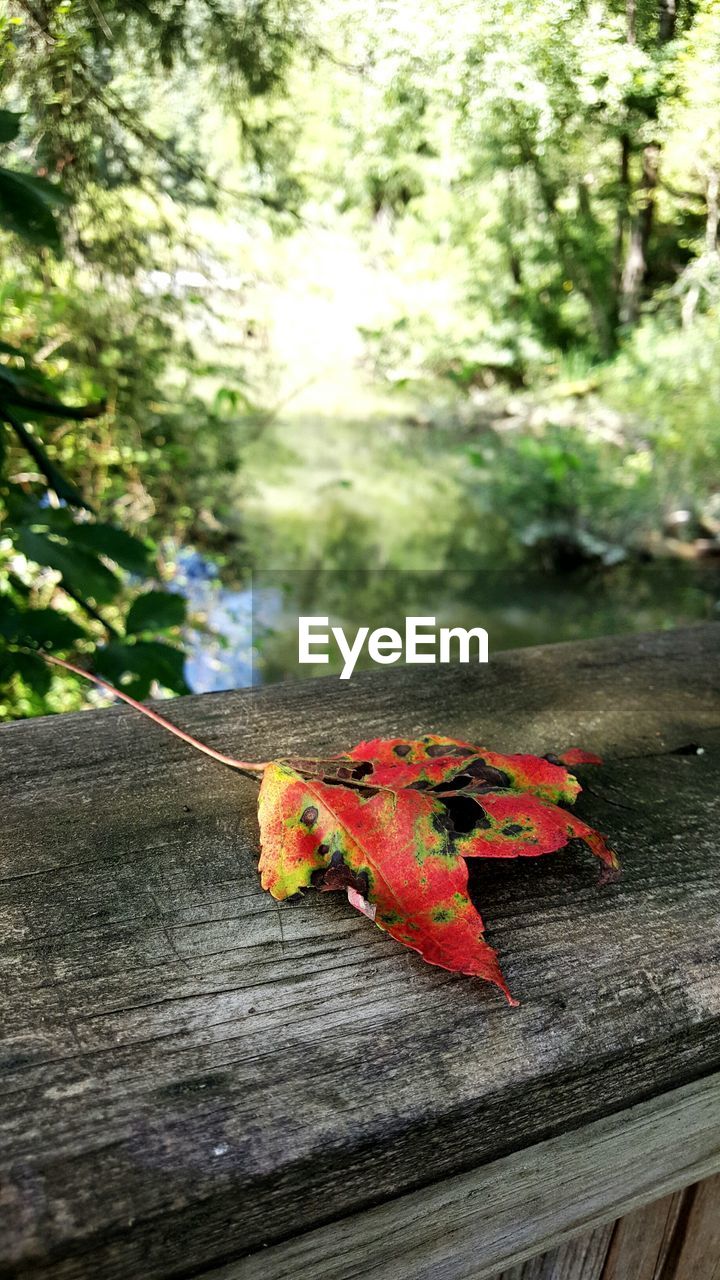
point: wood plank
(643, 1241)
(674, 1238)
(699, 1254)
(190, 1071)
(470, 1225)
(580, 1258)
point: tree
(91, 202)
(571, 101)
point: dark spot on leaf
(513, 830)
(309, 816)
(464, 814)
(344, 773)
(338, 875)
(323, 849)
(447, 749)
(362, 770)
(441, 915)
(402, 749)
(422, 785)
(487, 773)
(454, 784)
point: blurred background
(361, 308)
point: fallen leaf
(397, 762)
(392, 823)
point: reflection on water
(247, 633)
(227, 623)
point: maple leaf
(393, 821)
(435, 760)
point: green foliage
(559, 498)
(136, 665)
(531, 195)
(155, 611)
(27, 204)
(668, 380)
(47, 527)
(59, 592)
(97, 377)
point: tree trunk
(622, 216)
(712, 221)
(667, 18)
(635, 269)
(712, 224)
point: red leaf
(393, 821)
(383, 845)
(395, 829)
(398, 762)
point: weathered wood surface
(190, 1072)
(674, 1238)
(465, 1227)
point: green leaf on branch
(145, 661)
(9, 125)
(28, 206)
(105, 539)
(82, 572)
(155, 611)
(64, 489)
(33, 671)
(46, 628)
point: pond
(246, 632)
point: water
(220, 645)
(245, 633)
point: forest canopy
(534, 190)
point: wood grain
(469, 1226)
(698, 1257)
(191, 1072)
(674, 1238)
(645, 1242)
(581, 1258)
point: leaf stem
(244, 766)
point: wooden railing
(195, 1079)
